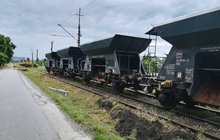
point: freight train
(191, 71)
(114, 60)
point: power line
(64, 21)
(60, 35)
(79, 15)
(66, 31)
(69, 26)
(87, 5)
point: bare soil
(127, 122)
(105, 104)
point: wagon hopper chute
(115, 60)
(53, 61)
(193, 61)
(117, 43)
(71, 60)
(52, 55)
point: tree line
(6, 49)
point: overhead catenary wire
(68, 26)
(84, 7)
(60, 35)
(87, 5)
(66, 31)
(64, 21)
(79, 15)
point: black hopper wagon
(52, 62)
(192, 67)
(115, 61)
(71, 61)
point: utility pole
(79, 32)
(37, 56)
(32, 55)
(51, 46)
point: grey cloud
(30, 22)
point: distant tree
(150, 64)
(3, 48)
(6, 49)
(3, 58)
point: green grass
(79, 105)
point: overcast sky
(29, 23)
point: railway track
(215, 114)
(182, 104)
(176, 112)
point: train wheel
(73, 76)
(119, 86)
(136, 83)
(150, 89)
(87, 78)
(48, 71)
(189, 102)
(167, 98)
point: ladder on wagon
(152, 50)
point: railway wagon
(115, 61)
(71, 61)
(53, 61)
(193, 63)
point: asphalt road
(27, 114)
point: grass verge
(80, 105)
